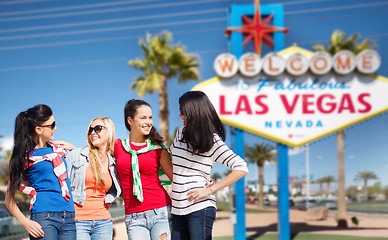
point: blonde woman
(94, 181)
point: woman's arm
(71, 157)
(195, 195)
(166, 164)
(224, 155)
(64, 145)
(32, 227)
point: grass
(304, 236)
(369, 207)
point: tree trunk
(163, 112)
(365, 190)
(341, 202)
(261, 184)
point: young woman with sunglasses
(94, 180)
(196, 147)
(38, 167)
(138, 160)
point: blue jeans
(197, 225)
(56, 225)
(94, 229)
(149, 225)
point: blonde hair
(93, 150)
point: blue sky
(72, 56)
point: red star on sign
(257, 30)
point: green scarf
(137, 186)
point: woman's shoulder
(217, 141)
(179, 134)
(78, 153)
(118, 142)
(216, 137)
(119, 149)
(41, 151)
(84, 150)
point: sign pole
(234, 18)
(307, 172)
(283, 201)
(239, 228)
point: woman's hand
(64, 145)
(33, 228)
(210, 183)
(107, 205)
(198, 194)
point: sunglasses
(52, 125)
(96, 129)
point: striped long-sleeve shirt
(192, 171)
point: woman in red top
(138, 159)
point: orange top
(94, 205)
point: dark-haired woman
(38, 167)
(196, 147)
(138, 160)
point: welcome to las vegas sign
(296, 109)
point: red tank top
(153, 192)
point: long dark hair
(202, 121)
(24, 143)
(130, 111)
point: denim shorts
(149, 225)
(56, 225)
(94, 229)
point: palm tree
(320, 181)
(298, 186)
(338, 42)
(385, 191)
(162, 61)
(341, 200)
(328, 181)
(259, 154)
(4, 162)
(352, 191)
(365, 176)
(215, 176)
(4, 167)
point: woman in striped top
(196, 147)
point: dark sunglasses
(52, 125)
(96, 129)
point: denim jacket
(77, 162)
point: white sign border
(283, 140)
